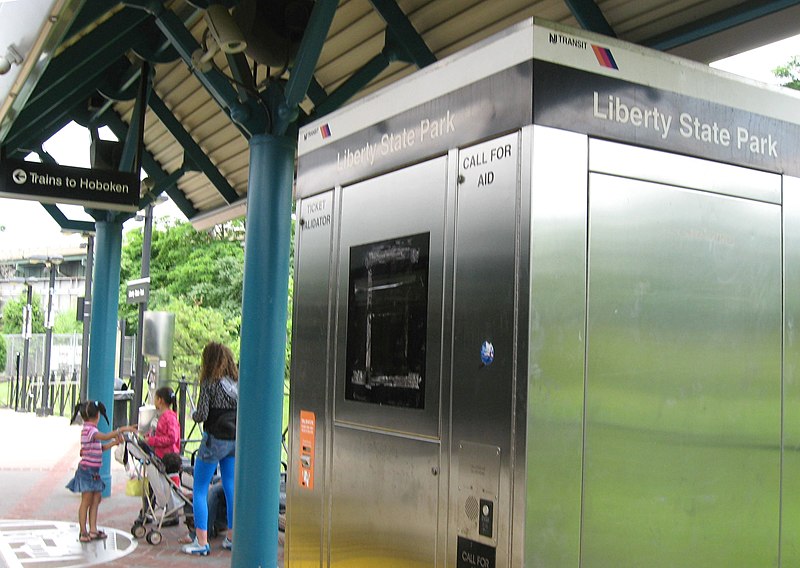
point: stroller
(164, 499)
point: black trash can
(122, 402)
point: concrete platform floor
(37, 458)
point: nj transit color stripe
(604, 57)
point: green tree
(194, 327)
(12, 314)
(3, 353)
(202, 269)
(790, 73)
(66, 322)
(198, 277)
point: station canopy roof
(82, 60)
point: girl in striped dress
(87, 480)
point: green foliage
(289, 312)
(12, 314)
(66, 322)
(3, 352)
(202, 269)
(195, 275)
(790, 73)
(194, 327)
(198, 277)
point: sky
(25, 225)
(758, 63)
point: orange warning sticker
(308, 432)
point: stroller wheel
(138, 530)
(154, 537)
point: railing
(187, 391)
(25, 393)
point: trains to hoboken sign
(100, 189)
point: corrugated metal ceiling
(357, 34)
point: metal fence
(24, 391)
(65, 354)
(25, 394)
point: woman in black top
(216, 409)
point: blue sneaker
(227, 544)
(196, 549)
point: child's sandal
(99, 535)
(85, 537)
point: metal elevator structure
(215, 127)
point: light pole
(138, 379)
(51, 262)
(87, 314)
(27, 332)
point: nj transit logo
(324, 130)
(603, 54)
(604, 57)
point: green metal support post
(263, 341)
(105, 303)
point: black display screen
(387, 320)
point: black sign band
(550, 94)
(499, 103)
(606, 107)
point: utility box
(544, 315)
(158, 339)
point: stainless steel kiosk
(546, 314)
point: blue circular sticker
(487, 353)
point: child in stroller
(165, 499)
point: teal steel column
(263, 346)
(103, 339)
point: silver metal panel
(557, 346)
(311, 332)
(158, 335)
(485, 302)
(673, 169)
(384, 500)
(519, 464)
(407, 202)
(384, 493)
(683, 389)
(790, 504)
(478, 478)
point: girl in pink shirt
(87, 480)
(167, 437)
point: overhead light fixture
(224, 29)
(225, 36)
(12, 57)
(209, 219)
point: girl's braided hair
(89, 409)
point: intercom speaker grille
(471, 508)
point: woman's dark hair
(168, 395)
(89, 409)
(218, 362)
